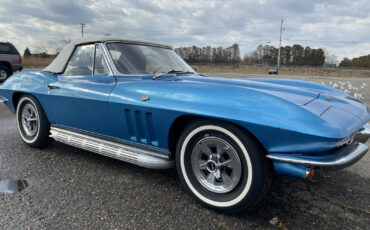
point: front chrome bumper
(302, 165)
(337, 158)
(340, 157)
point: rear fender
(31, 82)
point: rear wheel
(222, 166)
(32, 123)
(4, 73)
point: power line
(181, 31)
(210, 42)
(329, 41)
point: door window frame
(110, 72)
(104, 60)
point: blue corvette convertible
(141, 103)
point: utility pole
(281, 31)
(82, 28)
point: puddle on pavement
(12, 186)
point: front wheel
(32, 123)
(222, 166)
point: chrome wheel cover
(30, 120)
(216, 165)
(3, 74)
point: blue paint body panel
(286, 116)
(81, 102)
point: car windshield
(146, 59)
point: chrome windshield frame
(113, 66)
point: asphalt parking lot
(68, 188)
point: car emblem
(329, 96)
(144, 98)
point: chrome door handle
(53, 86)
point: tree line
(264, 55)
(359, 62)
(210, 54)
(290, 55)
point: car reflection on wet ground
(12, 186)
(68, 188)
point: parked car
(140, 102)
(10, 60)
(274, 70)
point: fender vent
(140, 127)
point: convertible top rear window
(145, 59)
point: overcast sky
(340, 26)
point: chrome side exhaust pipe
(293, 170)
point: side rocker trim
(134, 155)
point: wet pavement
(12, 186)
(71, 188)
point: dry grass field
(302, 71)
(36, 61)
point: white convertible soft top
(60, 62)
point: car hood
(316, 98)
(296, 93)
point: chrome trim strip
(113, 66)
(340, 157)
(156, 151)
(110, 60)
(115, 150)
(106, 58)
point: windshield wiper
(171, 71)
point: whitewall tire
(32, 122)
(221, 165)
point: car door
(79, 98)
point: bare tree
(40, 48)
(333, 59)
(57, 46)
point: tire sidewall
(250, 163)
(22, 102)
